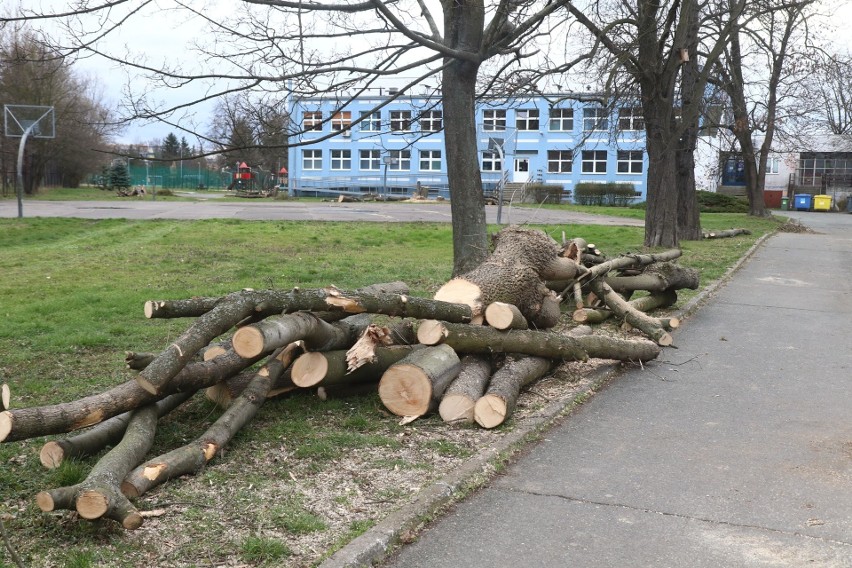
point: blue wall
(551, 149)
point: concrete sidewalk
(733, 450)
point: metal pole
(499, 149)
(20, 183)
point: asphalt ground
(293, 211)
(734, 449)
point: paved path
(292, 211)
(734, 450)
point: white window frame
(310, 159)
(401, 160)
(312, 120)
(400, 121)
(773, 165)
(631, 119)
(593, 162)
(563, 160)
(430, 160)
(341, 160)
(371, 121)
(631, 160)
(341, 120)
(371, 158)
(595, 119)
(494, 119)
(527, 119)
(491, 162)
(432, 121)
(561, 120)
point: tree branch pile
(466, 354)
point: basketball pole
(20, 183)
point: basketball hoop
(23, 121)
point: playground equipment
(248, 182)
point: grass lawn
(71, 298)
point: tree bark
(461, 396)
(225, 392)
(331, 368)
(644, 304)
(657, 277)
(188, 308)
(107, 433)
(499, 401)
(193, 457)
(99, 495)
(645, 323)
(726, 234)
(463, 29)
(629, 261)
(413, 386)
(23, 423)
(486, 340)
(272, 333)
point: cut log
(629, 261)
(499, 401)
(486, 340)
(514, 274)
(224, 393)
(96, 438)
(413, 386)
(138, 361)
(653, 301)
(645, 323)
(5, 396)
(461, 396)
(725, 234)
(272, 333)
(189, 308)
(193, 457)
(23, 423)
(374, 336)
(657, 277)
(99, 495)
(329, 368)
(501, 315)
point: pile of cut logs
(467, 354)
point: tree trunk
(629, 261)
(189, 308)
(275, 332)
(107, 433)
(413, 386)
(461, 396)
(330, 368)
(726, 234)
(463, 26)
(23, 423)
(500, 399)
(486, 340)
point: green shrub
(545, 193)
(165, 192)
(709, 202)
(606, 194)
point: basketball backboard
(39, 120)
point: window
(562, 119)
(430, 160)
(630, 118)
(400, 160)
(526, 119)
(341, 159)
(594, 161)
(773, 165)
(311, 159)
(629, 162)
(400, 120)
(595, 119)
(491, 162)
(341, 120)
(494, 119)
(371, 122)
(371, 160)
(560, 161)
(431, 121)
(312, 120)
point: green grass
(71, 298)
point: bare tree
(334, 47)
(33, 74)
(650, 41)
(765, 38)
(830, 86)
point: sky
(159, 34)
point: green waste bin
(784, 202)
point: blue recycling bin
(802, 202)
